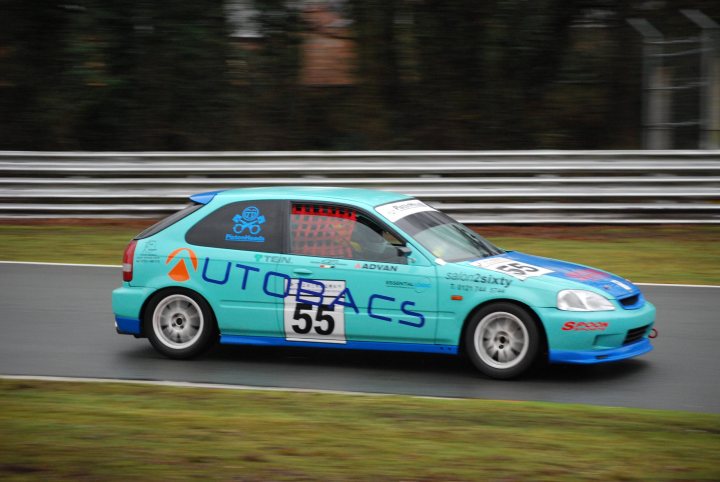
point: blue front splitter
(601, 356)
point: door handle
(302, 271)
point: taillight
(127, 263)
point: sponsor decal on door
(312, 313)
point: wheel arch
(168, 290)
(519, 304)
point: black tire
(502, 340)
(179, 323)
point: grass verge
(101, 244)
(654, 254)
(82, 431)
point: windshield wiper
(477, 242)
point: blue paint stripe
(350, 345)
(127, 326)
(601, 356)
(604, 282)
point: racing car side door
(352, 280)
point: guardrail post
(710, 69)
(656, 97)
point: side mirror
(403, 251)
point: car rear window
(169, 221)
(246, 225)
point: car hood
(524, 266)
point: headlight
(581, 300)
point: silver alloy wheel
(501, 340)
(178, 321)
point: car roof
(366, 197)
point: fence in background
(499, 187)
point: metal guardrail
(499, 187)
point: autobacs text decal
(304, 290)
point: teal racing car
(368, 270)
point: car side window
(331, 231)
(246, 225)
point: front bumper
(597, 337)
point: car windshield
(446, 238)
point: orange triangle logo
(179, 272)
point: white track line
(677, 285)
(218, 386)
(37, 263)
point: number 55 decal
(325, 324)
(510, 267)
(317, 321)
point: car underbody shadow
(565, 372)
(421, 363)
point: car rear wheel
(180, 324)
(502, 340)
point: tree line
(419, 74)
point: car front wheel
(502, 340)
(180, 324)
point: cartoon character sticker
(250, 220)
(247, 226)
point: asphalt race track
(57, 321)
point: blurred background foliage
(342, 74)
